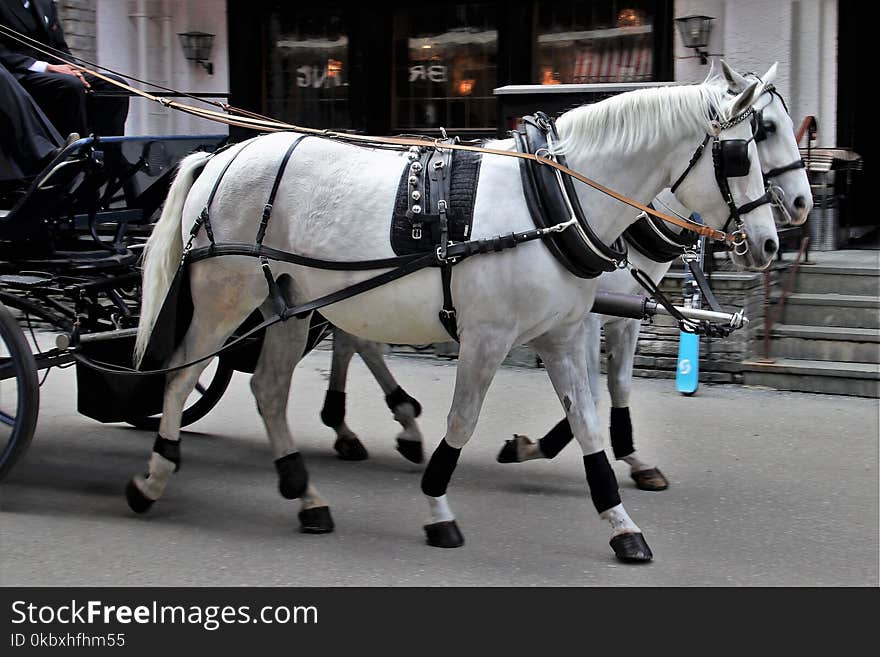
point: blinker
(760, 127)
(735, 157)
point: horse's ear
(735, 82)
(770, 75)
(746, 99)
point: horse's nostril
(800, 203)
(770, 247)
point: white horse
(334, 203)
(780, 156)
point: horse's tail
(164, 250)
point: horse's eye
(769, 126)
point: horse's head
(723, 181)
(784, 173)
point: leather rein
(250, 120)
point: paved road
(767, 488)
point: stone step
(859, 311)
(829, 377)
(828, 343)
(827, 279)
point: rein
(425, 142)
(257, 122)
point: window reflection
(581, 42)
(444, 64)
(307, 76)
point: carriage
(70, 242)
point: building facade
(400, 67)
(416, 67)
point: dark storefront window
(307, 67)
(580, 41)
(444, 67)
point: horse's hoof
(137, 501)
(631, 548)
(514, 450)
(350, 449)
(316, 520)
(411, 450)
(650, 479)
(444, 534)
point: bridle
(760, 128)
(730, 159)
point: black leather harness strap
(242, 248)
(694, 159)
(204, 218)
(656, 241)
(778, 171)
(278, 300)
(457, 251)
(270, 202)
(703, 284)
(448, 314)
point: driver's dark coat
(40, 23)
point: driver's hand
(67, 69)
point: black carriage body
(70, 245)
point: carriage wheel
(201, 401)
(19, 392)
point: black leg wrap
(333, 413)
(440, 468)
(601, 480)
(316, 520)
(169, 449)
(292, 476)
(398, 397)
(557, 438)
(621, 433)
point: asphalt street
(767, 488)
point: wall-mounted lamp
(197, 48)
(694, 31)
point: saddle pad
(460, 199)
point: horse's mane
(639, 119)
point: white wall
(752, 34)
(159, 57)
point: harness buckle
(417, 232)
(440, 254)
(740, 243)
(267, 210)
(689, 255)
(543, 152)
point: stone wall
(78, 22)
(720, 358)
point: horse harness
(550, 195)
(427, 181)
(760, 128)
(443, 253)
(730, 159)
(656, 241)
